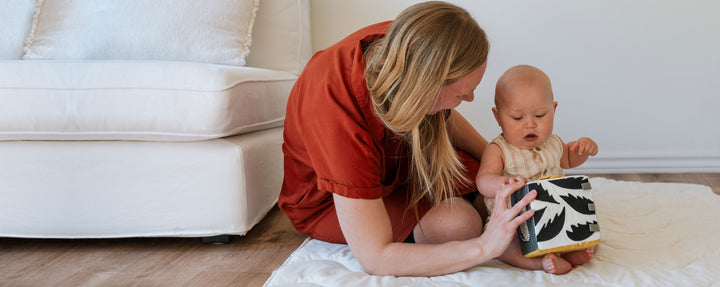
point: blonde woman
(376, 155)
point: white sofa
(173, 129)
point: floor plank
(710, 179)
(246, 261)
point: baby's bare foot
(555, 265)
(579, 257)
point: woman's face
(451, 95)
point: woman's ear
(554, 106)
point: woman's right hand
(505, 220)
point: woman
(375, 155)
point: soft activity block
(564, 219)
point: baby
(528, 150)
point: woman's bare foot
(579, 257)
(554, 264)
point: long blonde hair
(428, 45)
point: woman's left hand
(505, 219)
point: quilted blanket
(653, 234)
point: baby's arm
(489, 178)
(577, 152)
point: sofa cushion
(137, 100)
(16, 17)
(103, 189)
(217, 31)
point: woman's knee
(454, 219)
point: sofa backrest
(281, 36)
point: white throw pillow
(217, 31)
(16, 17)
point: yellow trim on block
(562, 249)
(549, 177)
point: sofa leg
(218, 239)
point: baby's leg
(580, 257)
(549, 263)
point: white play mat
(653, 234)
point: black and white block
(564, 220)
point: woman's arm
(366, 227)
(464, 136)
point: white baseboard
(651, 162)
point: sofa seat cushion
(107, 189)
(137, 100)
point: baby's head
(524, 106)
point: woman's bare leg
(454, 219)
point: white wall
(640, 77)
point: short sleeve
(329, 111)
(343, 151)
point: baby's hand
(510, 180)
(584, 146)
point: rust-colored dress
(335, 143)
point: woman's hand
(505, 220)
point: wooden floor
(246, 261)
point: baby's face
(526, 114)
